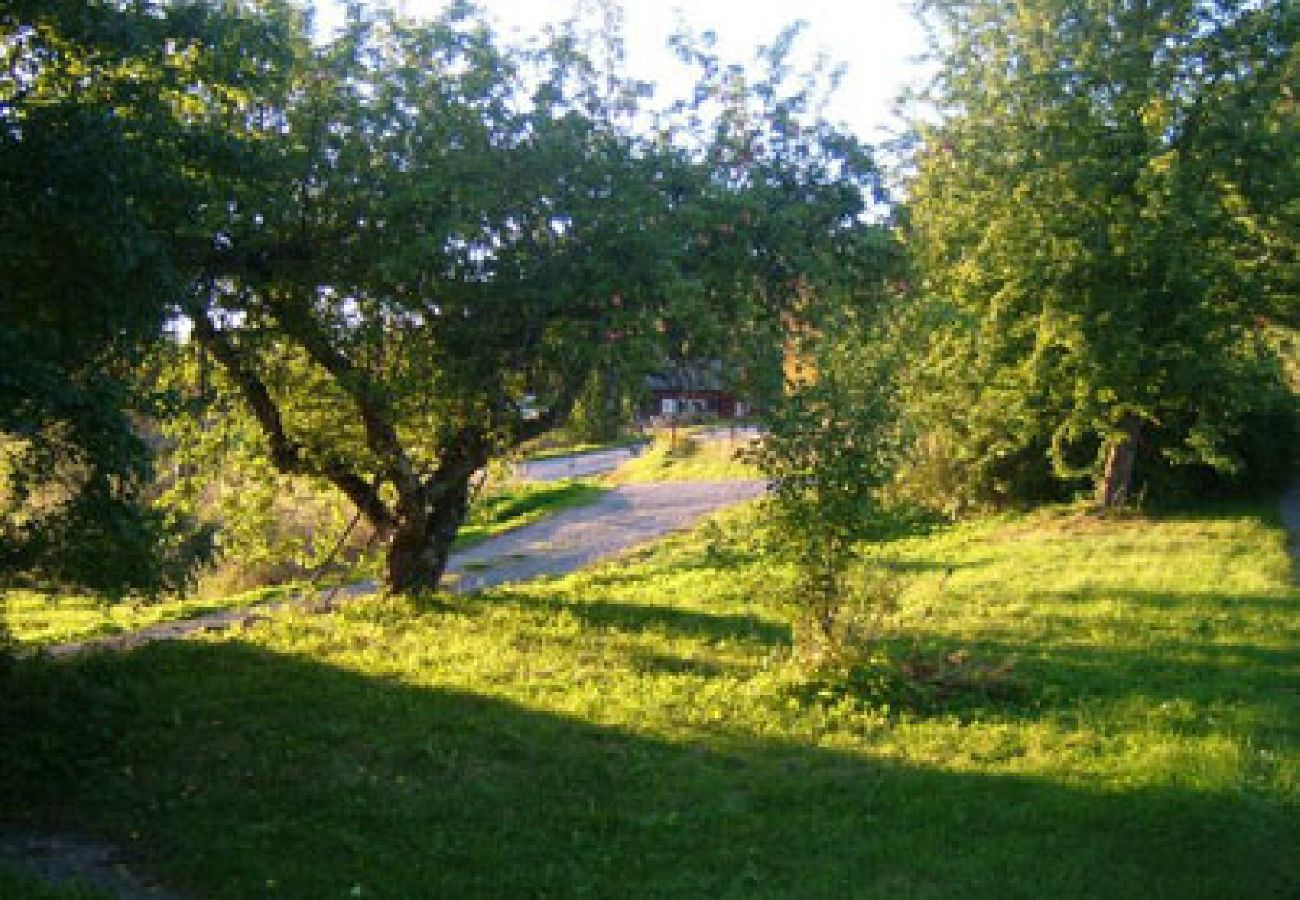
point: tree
(99, 150)
(1096, 218)
(442, 240)
(832, 446)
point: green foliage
(268, 528)
(580, 735)
(606, 408)
(1133, 166)
(408, 249)
(830, 447)
(93, 198)
(435, 248)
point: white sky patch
(878, 41)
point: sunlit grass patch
(575, 448)
(38, 619)
(638, 729)
(688, 458)
(506, 507)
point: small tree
(832, 445)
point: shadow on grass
(1218, 602)
(246, 773)
(638, 617)
(1260, 507)
(1026, 679)
(917, 566)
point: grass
(510, 506)
(690, 460)
(42, 619)
(638, 730)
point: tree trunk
(611, 413)
(422, 539)
(1116, 483)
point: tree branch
(286, 454)
(297, 319)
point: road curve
(626, 515)
(577, 465)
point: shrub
(831, 447)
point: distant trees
(1105, 219)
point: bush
(832, 446)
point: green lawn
(638, 730)
(510, 506)
(39, 619)
(690, 460)
(580, 447)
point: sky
(877, 40)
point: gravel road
(625, 516)
(579, 465)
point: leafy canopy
(1101, 215)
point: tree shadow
(1261, 507)
(1034, 679)
(919, 566)
(640, 617)
(246, 773)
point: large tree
(1102, 213)
(443, 239)
(104, 165)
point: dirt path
(578, 465)
(625, 516)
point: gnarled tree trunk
(423, 536)
(1115, 485)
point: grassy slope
(41, 619)
(693, 460)
(512, 506)
(637, 731)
